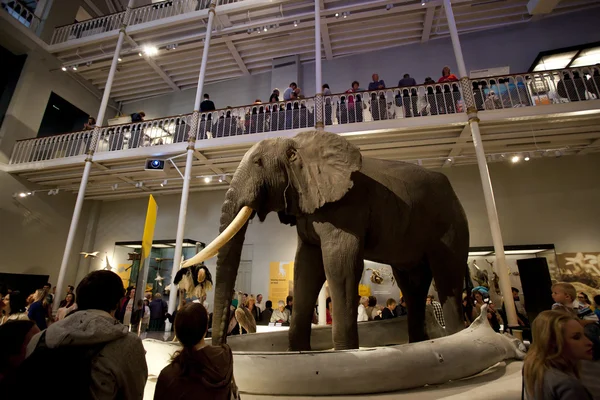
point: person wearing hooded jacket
(198, 371)
(117, 363)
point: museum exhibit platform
(330, 372)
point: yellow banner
(281, 281)
(149, 229)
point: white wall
(33, 231)
(516, 46)
(29, 101)
(542, 201)
(237, 92)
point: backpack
(41, 374)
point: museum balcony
(535, 114)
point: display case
(128, 263)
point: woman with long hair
(15, 308)
(551, 368)
(198, 371)
(40, 308)
(68, 307)
(251, 306)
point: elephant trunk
(228, 262)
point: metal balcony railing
(154, 132)
(21, 13)
(537, 88)
(138, 15)
(519, 90)
(393, 103)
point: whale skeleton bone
(413, 365)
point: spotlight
(139, 184)
(346, 14)
(150, 50)
(296, 23)
(449, 159)
(249, 31)
(221, 179)
(558, 153)
(265, 28)
(337, 15)
(140, 54)
(52, 192)
(119, 59)
(207, 179)
(22, 194)
(89, 63)
(74, 67)
(526, 158)
(389, 7)
(64, 69)
(153, 164)
(258, 30)
(515, 159)
(115, 186)
(164, 183)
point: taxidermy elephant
(346, 209)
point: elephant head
(291, 176)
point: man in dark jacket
(158, 313)
(407, 81)
(389, 311)
(265, 315)
(207, 105)
(110, 362)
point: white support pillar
(188, 163)
(488, 192)
(88, 161)
(319, 123)
(322, 306)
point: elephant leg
(309, 277)
(448, 269)
(414, 281)
(343, 259)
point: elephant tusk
(213, 248)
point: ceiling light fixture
(89, 63)
(249, 31)
(115, 186)
(515, 159)
(140, 54)
(150, 50)
(164, 183)
(64, 69)
(265, 28)
(296, 23)
(74, 67)
(221, 178)
(207, 179)
(337, 15)
(526, 158)
(119, 59)
(139, 184)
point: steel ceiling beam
(236, 56)
(428, 23)
(154, 66)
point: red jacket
(449, 78)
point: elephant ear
(320, 166)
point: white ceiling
(234, 52)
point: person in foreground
(197, 371)
(551, 368)
(104, 360)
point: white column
(72, 231)
(318, 72)
(88, 162)
(322, 306)
(319, 111)
(488, 192)
(188, 164)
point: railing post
(319, 122)
(484, 173)
(88, 165)
(188, 163)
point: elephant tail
(468, 282)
